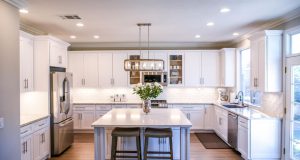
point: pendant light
(144, 64)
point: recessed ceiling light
(235, 34)
(96, 36)
(210, 24)
(197, 36)
(79, 24)
(224, 10)
(23, 10)
(73, 37)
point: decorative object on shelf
(143, 64)
(147, 92)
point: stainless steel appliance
(159, 104)
(159, 77)
(61, 112)
(232, 129)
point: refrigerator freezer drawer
(62, 136)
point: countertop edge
(33, 121)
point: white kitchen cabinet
(227, 67)
(105, 60)
(221, 126)
(259, 138)
(35, 140)
(202, 68)
(209, 117)
(193, 68)
(41, 143)
(210, 68)
(58, 53)
(243, 137)
(195, 113)
(266, 61)
(84, 66)
(84, 116)
(162, 54)
(120, 76)
(26, 62)
(26, 148)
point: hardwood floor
(83, 149)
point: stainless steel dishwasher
(232, 129)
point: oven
(159, 77)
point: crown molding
(31, 30)
(79, 46)
(283, 19)
(17, 3)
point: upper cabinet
(202, 68)
(58, 53)
(105, 69)
(266, 61)
(120, 76)
(84, 66)
(176, 68)
(26, 62)
(227, 67)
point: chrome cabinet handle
(26, 146)
(60, 59)
(112, 81)
(25, 83)
(23, 147)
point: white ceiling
(172, 20)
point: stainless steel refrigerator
(61, 112)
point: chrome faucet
(240, 96)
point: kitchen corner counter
(28, 119)
(246, 112)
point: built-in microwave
(159, 77)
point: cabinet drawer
(84, 107)
(133, 106)
(40, 124)
(26, 130)
(189, 107)
(243, 122)
(103, 107)
(118, 106)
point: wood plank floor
(83, 149)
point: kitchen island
(157, 118)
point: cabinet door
(26, 148)
(210, 68)
(87, 118)
(76, 119)
(192, 68)
(197, 118)
(105, 64)
(120, 76)
(76, 66)
(26, 64)
(209, 117)
(176, 68)
(227, 67)
(44, 146)
(41, 144)
(91, 70)
(243, 141)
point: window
(245, 73)
(295, 43)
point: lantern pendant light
(144, 64)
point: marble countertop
(137, 118)
(245, 112)
(105, 102)
(28, 119)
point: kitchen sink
(233, 106)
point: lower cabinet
(41, 143)
(83, 119)
(195, 113)
(35, 140)
(26, 148)
(243, 137)
(209, 117)
(221, 126)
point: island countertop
(129, 117)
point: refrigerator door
(62, 136)
(61, 104)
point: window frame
(240, 72)
(288, 41)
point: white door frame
(290, 61)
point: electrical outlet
(1, 122)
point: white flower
(139, 85)
(148, 84)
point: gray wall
(9, 82)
